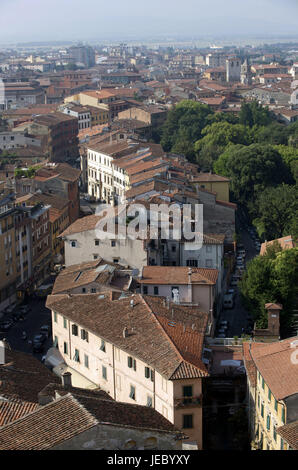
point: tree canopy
(216, 137)
(251, 170)
(272, 278)
(277, 212)
(183, 127)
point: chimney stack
(125, 332)
(273, 317)
(189, 275)
(66, 379)
(2, 353)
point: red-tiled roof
(178, 275)
(148, 340)
(289, 432)
(274, 363)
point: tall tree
(277, 211)
(272, 278)
(184, 125)
(215, 138)
(252, 169)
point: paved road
(38, 316)
(238, 316)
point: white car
(221, 335)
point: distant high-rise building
(83, 55)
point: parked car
(44, 290)
(224, 323)
(222, 335)
(45, 330)
(6, 325)
(18, 316)
(234, 282)
(231, 291)
(10, 309)
(242, 253)
(39, 338)
(25, 309)
(222, 330)
(228, 301)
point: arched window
(130, 444)
(150, 443)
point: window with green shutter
(132, 392)
(64, 322)
(104, 372)
(263, 384)
(283, 415)
(269, 394)
(76, 355)
(274, 433)
(86, 361)
(268, 422)
(55, 344)
(281, 444)
(262, 410)
(65, 348)
(275, 404)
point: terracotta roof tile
(14, 409)
(178, 275)
(289, 432)
(274, 363)
(148, 341)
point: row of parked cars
(16, 314)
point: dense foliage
(272, 277)
(254, 150)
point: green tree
(277, 211)
(272, 278)
(254, 114)
(215, 138)
(274, 133)
(251, 170)
(183, 126)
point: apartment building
(58, 132)
(58, 220)
(272, 393)
(38, 235)
(8, 273)
(181, 285)
(82, 243)
(106, 180)
(82, 113)
(138, 350)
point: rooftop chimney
(189, 275)
(66, 379)
(125, 332)
(273, 317)
(2, 352)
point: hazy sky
(39, 20)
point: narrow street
(37, 317)
(238, 317)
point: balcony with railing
(186, 402)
